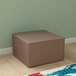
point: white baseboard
(9, 50)
(70, 40)
(6, 51)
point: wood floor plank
(6, 69)
(70, 50)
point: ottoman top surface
(37, 36)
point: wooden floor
(11, 66)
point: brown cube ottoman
(38, 47)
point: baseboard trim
(9, 50)
(6, 51)
(70, 40)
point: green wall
(57, 16)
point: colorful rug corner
(69, 70)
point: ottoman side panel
(46, 51)
(20, 49)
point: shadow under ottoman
(38, 47)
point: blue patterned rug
(69, 70)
